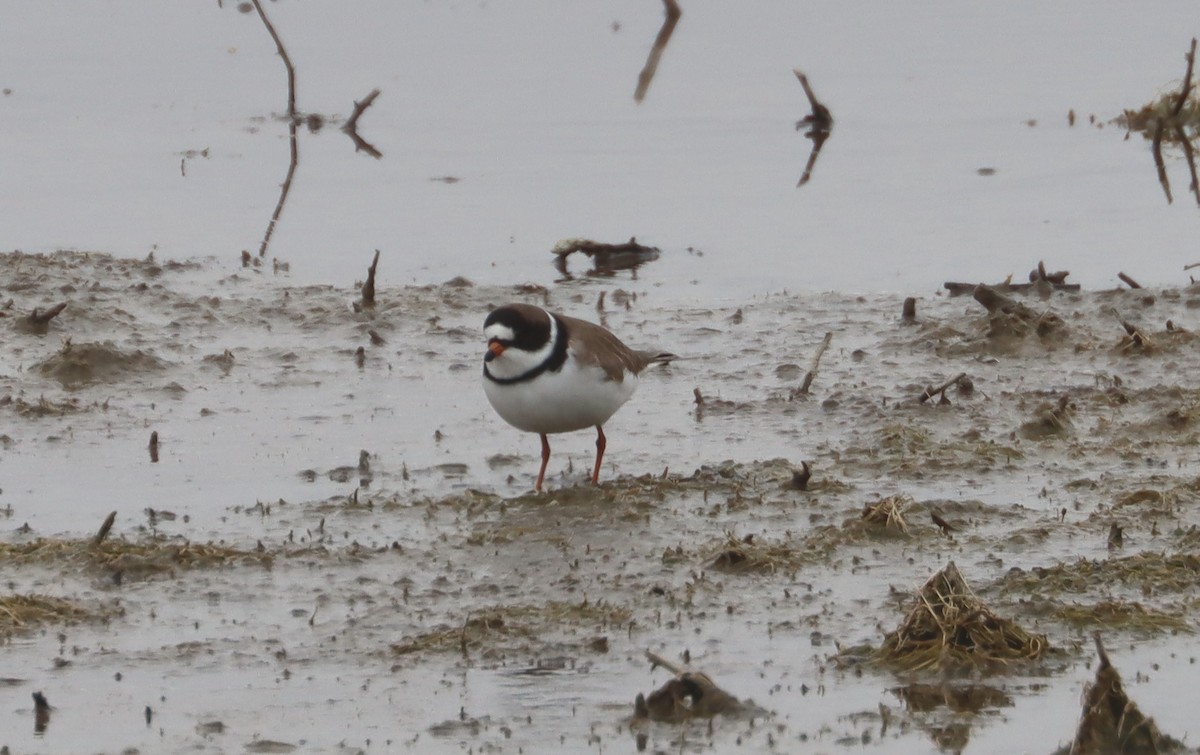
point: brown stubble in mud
(446, 567)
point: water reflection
(660, 44)
(819, 123)
(607, 259)
(1168, 119)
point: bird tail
(659, 357)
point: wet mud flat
(338, 550)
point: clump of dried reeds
(1111, 722)
(949, 628)
(888, 513)
(20, 613)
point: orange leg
(601, 442)
(545, 461)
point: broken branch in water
(104, 528)
(293, 122)
(816, 362)
(688, 694)
(351, 127)
(940, 390)
(1129, 281)
(1186, 89)
(368, 289)
(660, 44)
(38, 317)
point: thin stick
(930, 392)
(816, 362)
(351, 127)
(1129, 281)
(657, 660)
(1186, 89)
(368, 289)
(104, 528)
(1159, 164)
(284, 188)
(1190, 155)
(660, 44)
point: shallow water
(158, 135)
(350, 636)
(531, 106)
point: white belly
(558, 402)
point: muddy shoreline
(339, 551)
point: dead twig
(820, 118)
(293, 123)
(1186, 89)
(104, 528)
(1129, 281)
(40, 319)
(351, 126)
(660, 44)
(368, 288)
(940, 390)
(816, 362)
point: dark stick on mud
(104, 528)
(801, 476)
(909, 311)
(154, 447)
(660, 44)
(816, 362)
(930, 392)
(368, 289)
(38, 317)
(41, 713)
(1129, 281)
(351, 127)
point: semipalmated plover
(547, 373)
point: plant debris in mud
(1111, 722)
(96, 362)
(950, 629)
(23, 613)
(129, 559)
(687, 694)
(1150, 572)
(490, 630)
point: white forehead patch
(497, 330)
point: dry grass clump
(492, 626)
(1111, 722)
(949, 628)
(888, 513)
(752, 554)
(1150, 572)
(1121, 615)
(20, 613)
(146, 558)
